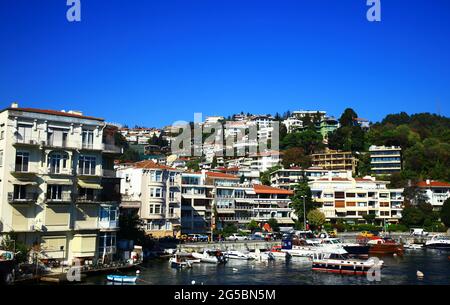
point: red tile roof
(55, 112)
(221, 175)
(148, 164)
(433, 184)
(265, 189)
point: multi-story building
(385, 160)
(290, 177)
(293, 124)
(155, 191)
(327, 125)
(301, 114)
(352, 198)
(335, 160)
(57, 183)
(436, 192)
(264, 160)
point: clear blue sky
(151, 62)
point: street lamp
(304, 212)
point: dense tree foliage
(316, 218)
(445, 213)
(309, 140)
(300, 190)
(264, 177)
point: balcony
(60, 144)
(109, 173)
(112, 149)
(90, 146)
(28, 141)
(173, 216)
(108, 224)
(22, 169)
(28, 197)
(98, 197)
(60, 171)
(89, 172)
(62, 198)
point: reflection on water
(398, 270)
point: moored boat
(121, 278)
(233, 254)
(180, 261)
(340, 262)
(385, 246)
(438, 242)
(210, 256)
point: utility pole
(304, 212)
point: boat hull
(442, 246)
(121, 278)
(357, 250)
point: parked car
(198, 237)
(256, 237)
(236, 237)
(366, 234)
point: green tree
(316, 218)
(302, 190)
(295, 157)
(273, 223)
(214, 162)
(412, 216)
(129, 155)
(252, 225)
(348, 118)
(264, 177)
(309, 140)
(10, 242)
(131, 228)
(369, 218)
(193, 165)
(445, 213)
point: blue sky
(152, 62)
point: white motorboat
(262, 256)
(233, 254)
(438, 242)
(210, 256)
(412, 246)
(180, 261)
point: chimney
(14, 105)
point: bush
(435, 226)
(397, 228)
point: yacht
(262, 255)
(438, 242)
(353, 249)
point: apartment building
(289, 178)
(436, 192)
(385, 160)
(335, 160)
(57, 183)
(293, 124)
(352, 198)
(154, 191)
(327, 125)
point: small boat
(384, 246)
(340, 262)
(179, 261)
(262, 256)
(353, 249)
(232, 254)
(210, 256)
(412, 246)
(121, 278)
(438, 242)
(277, 252)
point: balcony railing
(22, 169)
(60, 144)
(112, 148)
(27, 140)
(89, 172)
(22, 198)
(110, 173)
(60, 171)
(64, 197)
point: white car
(236, 237)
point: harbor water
(398, 270)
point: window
(54, 192)
(339, 195)
(384, 204)
(108, 213)
(1, 158)
(57, 137)
(155, 192)
(86, 165)
(157, 209)
(22, 160)
(107, 243)
(88, 138)
(172, 178)
(20, 192)
(23, 134)
(156, 176)
(171, 196)
(56, 161)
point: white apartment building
(57, 183)
(289, 178)
(352, 198)
(155, 190)
(300, 114)
(385, 160)
(264, 160)
(436, 191)
(293, 124)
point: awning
(250, 192)
(19, 182)
(60, 182)
(89, 185)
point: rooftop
(265, 189)
(53, 112)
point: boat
(412, 246)
(384, 246)
(121, 278)
(353, 249)
(438, 242)
(180, 261)
(277, 252)
(340, 262)
(210, 256)
(262, 255)
(232, 254)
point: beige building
(352, 198)
(155, 191)
(57, 184)
(335, 160)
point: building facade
(335, 160)
(57, 182)
(385, 160)
(155, 191)
(436, 192)
(351, 198)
